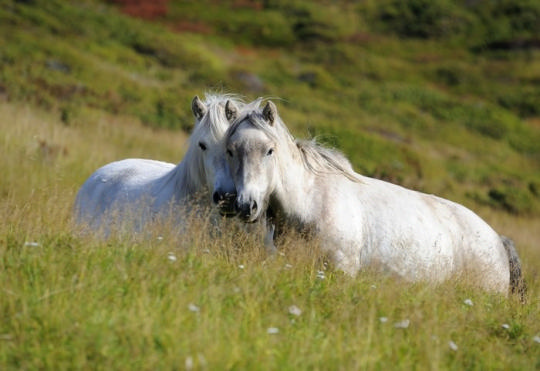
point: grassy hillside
(439, 96)
(450, 111)
(201, 302)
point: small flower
(320, 275)
(468, 302)
(193, 308)
(31, 244)
(160, 238)
(241, 266)
(383, 319)
(402, 324)
(453, 346)
(373, 287)
(536, 339)
(295, 311)
(272, 330)
(505, 326)
(189, 363)
(288, 266)
(171, 257)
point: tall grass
(212, 299)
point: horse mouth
(249, 218)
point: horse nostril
(253, 206)
(216, 197)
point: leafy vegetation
(440, 96)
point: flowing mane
(316, 158)
(322, 160)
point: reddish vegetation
(147, 9)
(194, 27)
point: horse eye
(202, 145)
(270, 152)
(229, 152)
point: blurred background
(438, 95)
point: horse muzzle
(247, 211)
(226, 203)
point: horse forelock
(214, 124)
(252, 114)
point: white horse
(361, 222)
(136, 191)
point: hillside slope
(449, 106)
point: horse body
(362, 222)
(411, 234)
(138, 188)
(136, 191)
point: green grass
(75, 303)
(198, 301)
(447, 113)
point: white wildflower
(31, 244)
(402, 324)
(295, 311)
(160, 238)
(272, 330)
(192, 307)
(171, 257)
(288, 266)
(505, 326)
(320, 275)
(468, 302)
(373, 287)
(453, 346)
(383, 319)
(241, 266)
(536, 339)
(189, 363)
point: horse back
(118, 184)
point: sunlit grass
(212, 298)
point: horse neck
(296, 194)
(182, 179)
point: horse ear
(270, 112)
(231, 111)
(198, 108)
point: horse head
(251, 143)
(210, 167)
